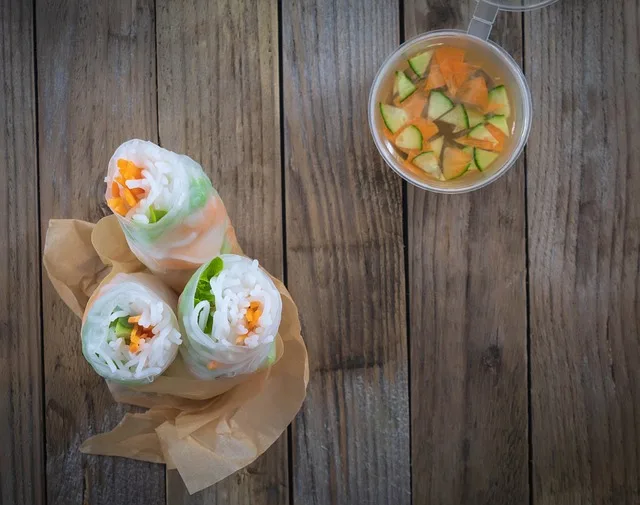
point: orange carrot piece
(475, 92)
(415, 104)
(448, 53)
(119, 179)
(434, 79)
(499, 135)
(133, 319)
(129, 170)
(212, 365)
(482, 144)
(128, 196)
(455, 73)
(137, 192)
(115, 189)
(427, 128)
(114, 202)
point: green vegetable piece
(420, 62)
(203, 289)
(156, 215)
(403, 86)
(122, 327)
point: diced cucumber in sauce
(439, 104)
(483, 158)
(472, 164)
(475, 117)
(500, 122)
(403, 86)
(436, 145)
(499, 101)
(394, 118)
(409, 138)
(480, 132)
(428, 162)
(457, 117)
(420, 62)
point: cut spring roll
(229, 315)
(130, 333)
(172, 217)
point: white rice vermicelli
(117, 358)
(243, 324)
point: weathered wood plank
(96, 86)
(584, 214)
(468, 328)
(344, 257)
(22, 429)
(219, 103)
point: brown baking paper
(205, 429)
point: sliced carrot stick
(115, 189)
(133, 319)
(455, 73)
(415, 104)
(128, 196)
(137, 192)
(482, 144)
(129, 170)
(475, 92)
(427, 128)
(448, 53)
(498, 135)
(434, 79)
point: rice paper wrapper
(207, 430)
(196, 227)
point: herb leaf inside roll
(229, 314)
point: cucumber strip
(420, 63)
(439, 104)
(403, 86)
(475, 117)
(499, 101)
(457, 117)
(436, 145)
(427, 162)
(472, 164)
(410, 138)
(483, 158)
(500, 122)
(480, 132)
(394, 118)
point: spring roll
(229, 314)
(130, 332)
(172, 217)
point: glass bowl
(513, 79)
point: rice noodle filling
(243, 307)
(152, 350)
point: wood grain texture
(584, 181)
(96, 86)
(344, 257)
(22, 428)
(219, 103)
(468, 321)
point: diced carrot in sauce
(448, 53)
(499, 135)
(482, 144)
(475, 92)
(415, 104)
(434, 79)
(455, 73)
(427, 127)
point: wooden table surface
(474, 349)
